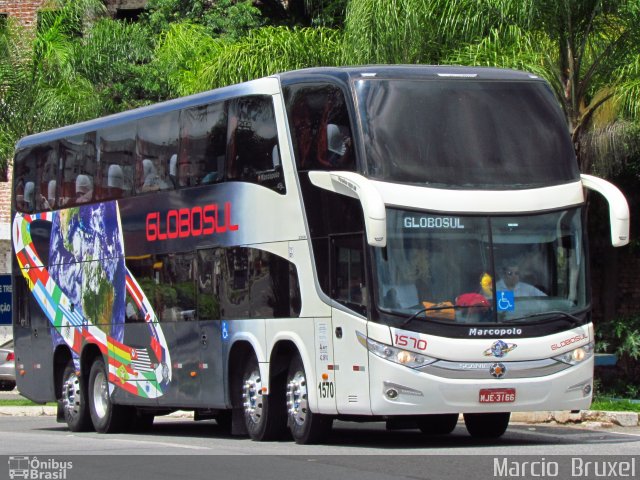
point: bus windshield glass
(457, 133)
(473, 269)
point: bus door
(32, 343)
(212, 331)
(348, 287)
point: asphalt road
(176, 447)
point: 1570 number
(326, 390)
(407, 341)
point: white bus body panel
(351, 365)
(481, 201)
(421, 393)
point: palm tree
(588, 50)
(39, 88)
(194, 61)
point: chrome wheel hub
(252, 396)
(71, 396)
(297, 403)
(100, 395)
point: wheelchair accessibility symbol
(225, 331)
(506, 301)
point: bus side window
(320, 127)
(209, 264)
(48, 159)
(348, 283)
(156, 152)
(275, 289)
(78, 165)
(253, 154)
(116, 151)
(203, 144)
(25, 177)
(22, 297)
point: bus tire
(106, 416)
(73, 400)
(441, 424)
(263, 416)
(486, 425)
(306, 427)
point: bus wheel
(486, 425)
(306, 427)
(105, 416)
(442, 424)
(263, 417)
(73, 401)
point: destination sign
(433, 222)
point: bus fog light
(587, 390)
(391, 394)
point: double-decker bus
(399, 243)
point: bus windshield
(473, 269)
(459, 133)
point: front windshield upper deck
(464, 133)
(474, 269)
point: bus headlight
(393, 354)
(577, 355)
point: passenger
(50, 202)
(84, 189)
(152, 180)
(115, 181)
(338, 144)
(173, 170)
(29, 196)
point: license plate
(497, 395)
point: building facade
(26, 11)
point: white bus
(397, 243)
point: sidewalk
(591, 418)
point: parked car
(7, 366)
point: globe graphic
(86, 260)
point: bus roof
(344, 74)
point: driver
(510, 280)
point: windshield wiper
(436, 308)
(575, 321)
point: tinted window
(235, 283)
(48, 159)
(465, 134)
(253, 151)
(117, 166)
(169, 283)
(35, 175)
(157, 152)
(348, 272)
(209, 283)
(320, 128)
(203, 144)
(79, 167)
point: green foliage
(611, 405)
(115, 57)
(224, 18)
(622, 337)
(194, 61)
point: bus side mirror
(356, 186)
(618, 208)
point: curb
(592, 418)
